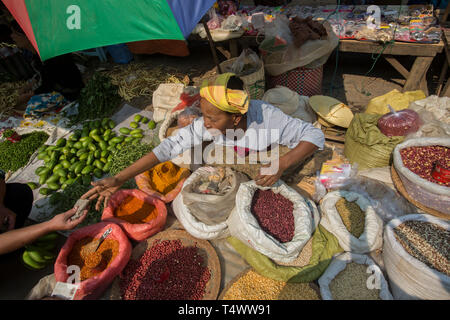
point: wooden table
(415, 78)
(424, 53)
(445, 92)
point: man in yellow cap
(227, 109)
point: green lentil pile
(130, 153)
(352, 216)
(351, 284)
(252, 286)
(14, 156)
(427, 242)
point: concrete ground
(352, 85)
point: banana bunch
(40, 253)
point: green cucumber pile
(40, 253)
(14, 156)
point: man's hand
(7, 217)
(103, 190)
(269, 174)
(62, 221)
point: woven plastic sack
(366, 145)
(244, 226)
(195, 227)
(324, 247)
(396, 99)
(409, 278)
(210, 208)
(430, 194)
(94, 287)
(143, 183)
(141, 231)
(165, 98)
(372, 237)
(340, 262)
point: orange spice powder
(134, 210)
(108, 251)
(165, 176)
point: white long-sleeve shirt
(266, 126)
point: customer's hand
(7, 217)
(62, 221)
(103, 190)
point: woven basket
(304, 81)
(254, 83)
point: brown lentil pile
(427, 242)
(108, 251)
(351, 284)
(166, 271)
(352, 216)
(274, 214)
(302, 259)
(421, 160)
(253, 286)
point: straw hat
(331, 111)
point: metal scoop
(92, 247)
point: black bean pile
(274, 214)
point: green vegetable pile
(98, 99)
(86, 154)
(130, 153)
(14, 156)
(40, 253)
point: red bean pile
(166, 271)
(421, 160)
(274, 214)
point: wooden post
(212, 47)
(417, 75)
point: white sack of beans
(375, 278)
(195, 227)
(244, 226)
(409, 278)
(431, 194)
(372, 237)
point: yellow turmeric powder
(165, 176)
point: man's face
(217, 119)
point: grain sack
(431, 194)
(244, 226)
(195, 227)
(212, 208)
(409, 277)
(366, 145)
(324, 246)
(372, 235)
(396, 99)
(353, 277)
(93, 287)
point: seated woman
(227, 110)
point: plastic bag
(212, 208)
(232, 23)
(244, 226)
(141, 231)
(248, 62)
(372, 237)
(215, 20)
(277, 36)
(94, 287)
(408, 277)
(340, 262)
(288, 57)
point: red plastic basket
(304, 81)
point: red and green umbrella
(56, 27)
